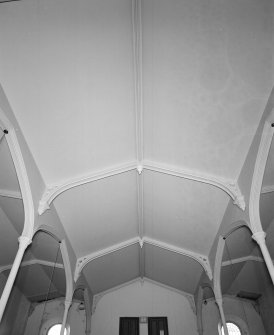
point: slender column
(23, 244)
(259, 237)
(88, 311)
(67, 307)
(199, 311)
(219, 302)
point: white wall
(145, 299)
(243, 312)
(267, 308)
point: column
(23, 244)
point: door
(129, 326)
(157, 326)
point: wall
(267, 309)
(145, 299)
(52, 314)
(15, 316)
(248, 318)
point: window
(56, 330)
(232, 328)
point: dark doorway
(129, 326)
(157, 326)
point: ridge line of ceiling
(228, 186)
(138, 106)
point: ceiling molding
(83, 261)
(201, 259)
(10, 194)
(97, 297)
(243, 259)
(267, 189)
(138, 77)
(258, 174)
(33, 262)
(52, 192)
(230, 187)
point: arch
(65, 257)
(219, 255)
(257, 179)
(202, 260)
(20, 168)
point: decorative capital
(24, 241)
(204, 260)
(259, 237)
(96, 299)
(238, 198)
(219, 301)
(44, 203)
(140, 169)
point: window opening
(232, 329)
(56, 330)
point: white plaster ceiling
(105, 213)
(87, 103)
(172, 269)
(113, 269)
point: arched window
(232, 328)
(56, 330)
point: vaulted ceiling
(139, 116)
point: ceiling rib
(267, 189)
(33, 262)
(202, 259)
(10, 194)
(138, 99)
(243, 259)
(52, 192)
(83, 261)
(229, 186)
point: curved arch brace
(68, 271)
(257, 179)
(218, 267)
(65, 257)
(219, 258)
(52, 192)
(22, 175)
(228, 186)
(201, 259)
